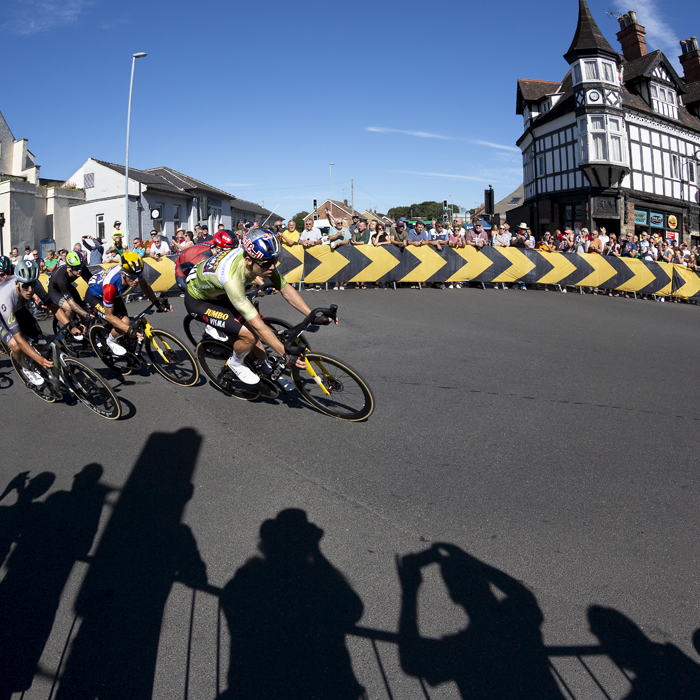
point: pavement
(550, 436)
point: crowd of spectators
(360, 231)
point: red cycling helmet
(225, 239)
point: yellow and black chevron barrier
(368, 263)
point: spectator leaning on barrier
(399, 235)
(501, 238)
(419, 236)
(438, 239)
(51, 260)
(290, 236)
(381, 237)
(477, 237)
(311, 235)
(158, 247)
(138, 247)
(362, 233)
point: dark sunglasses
(134, 277)
(26, 286)
(266, 264)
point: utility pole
(352, 195)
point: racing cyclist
(5, 267)
(64, 294)
(216, 295)
(105, 291)
(16, 321)
(223, 240)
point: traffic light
(488, 200)
(205, 208)
(315, 205)
(444, 205)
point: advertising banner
(655, 219)
(640, 218)
(672, 221)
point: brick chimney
(631, 37)
(690, 60)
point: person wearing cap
(355, 224)
(399, 234)
(117, 230)
(477, 237)
(118, 246)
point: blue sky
(412, 100)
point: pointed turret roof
(588, 40)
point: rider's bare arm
(24, 347)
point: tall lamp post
(126, 167)
(330, 179)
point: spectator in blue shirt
(418, 236)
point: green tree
(299, 219)
(424, 210)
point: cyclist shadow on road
(288, 612)
(51, 536)
(144, 550)
(659, 670)
(500, 654)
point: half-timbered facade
(617, 142)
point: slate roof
(245, 206)
(588, 40)
(166, 180)
(645, 66)
(693, 94)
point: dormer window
(595, 70)
(664, 100)
(546, 106)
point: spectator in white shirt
(311, 235)
(158, 247)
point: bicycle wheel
(71, 346)
(194, 329)
(89, 388)
(337, 390)
(121, 364)
(171, 358)
(212, 355)
(46, 392)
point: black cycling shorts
(56, 297)
(220, 313)
(119, 307)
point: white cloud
(659, 34)
(475, 178)
(428, 135)
(34, 16)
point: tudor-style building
(617, 142)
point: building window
(100, 228)
(691, 172)
(602, 138)
(541, 170)
(176, 216)
(664, 100)
(674, 166)
(595, 69)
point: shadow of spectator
(56, 533)
(288, 612)
(660, 671)
(500, 654)
(13, 518)
(144, 550)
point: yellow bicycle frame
(315, 376)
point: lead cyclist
(216, 295)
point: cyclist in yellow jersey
(216, 295)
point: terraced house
(616, 143)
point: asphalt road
(551, 436)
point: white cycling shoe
(114, 345)
(246, 375)
(217, 335)
(32, 376)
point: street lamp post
(126, 166)
(330, 178)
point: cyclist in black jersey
(63, 294)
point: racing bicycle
(71, 376)
(167, 353)
(327, 383)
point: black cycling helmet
(5, 265)
(26, 271)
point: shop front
(669, 225)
